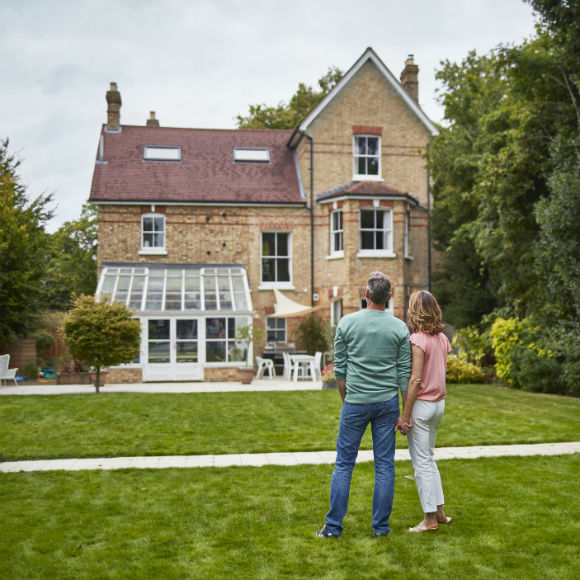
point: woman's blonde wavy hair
(424, 313)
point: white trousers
(426, 417)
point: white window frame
(334, 251)
(283, 332)
(407, 235)
(153, 250)
(387, 231)
(336, 312)
(356, 155)
(283, 285)
(162, 153)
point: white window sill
(367, 178)
(277, 285)
(335, 255)
(153, 252)
(376, 254)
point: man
(372, 362)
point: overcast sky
(200, 63)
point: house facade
(200, 229)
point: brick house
(200, 229)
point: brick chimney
(410, 78)
(113, 108)
(152, 121)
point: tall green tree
(23, 249)
(290, 115)
(72, 267)
(507, 208)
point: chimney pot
(113, 108)
(152, 121)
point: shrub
(314, 333)
(461, 371)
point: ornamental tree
(101, 334)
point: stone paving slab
(287, 459)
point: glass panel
(223, 282)
(187, 329)
(215, 328)
(361, 145)
(173, 301)
(211, 301)
(283, 249)
(109, 282)
(268, 244)
(147, 224)
(158, 240)
(173, 281)
(373, 166)
(192, 301)
(380, 219)
(158, 329)
(283, 270)
(268, 270)
(380, 241)
(209, 283)
(361, 166)
(367, 219)
(240, 300)
(236, 353)
(135, 300)
(225, 301)
(186, 352)
(158, 352)
(372, 145)
(124, 281)
(215, 351)
(238, 284)
(159, 224)
(191, 282)
(367, 240)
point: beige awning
(286, 308)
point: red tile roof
(376, 188)
(206, 172)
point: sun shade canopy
(286, 308)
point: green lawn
(125, 424)
(514, 518)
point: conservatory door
(172, 350)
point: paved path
(248, 459)
(261, 459)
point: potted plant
(247, 335)
(328, 378)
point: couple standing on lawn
(372, 362)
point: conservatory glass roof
(176, 288)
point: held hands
(403, 424)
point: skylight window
(151, 153)
(251, 155)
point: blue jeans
(353, 423)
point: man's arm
(340, 357)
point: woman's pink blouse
(435, 347)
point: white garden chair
(6, 374)
(265, 365)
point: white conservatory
(189, 314)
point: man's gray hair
(379, 286)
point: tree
(72, 267)
(101, 334)
(289, 116)
(507, 175)
(23, 243)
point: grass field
(514, 518)
(120, 424)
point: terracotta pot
(246, 374)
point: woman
(425, 404)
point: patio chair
(317, 360)
(6, 374)
(265, 364)
(288, 366)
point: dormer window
(247, 155)
(152, 153)
(367, 157)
